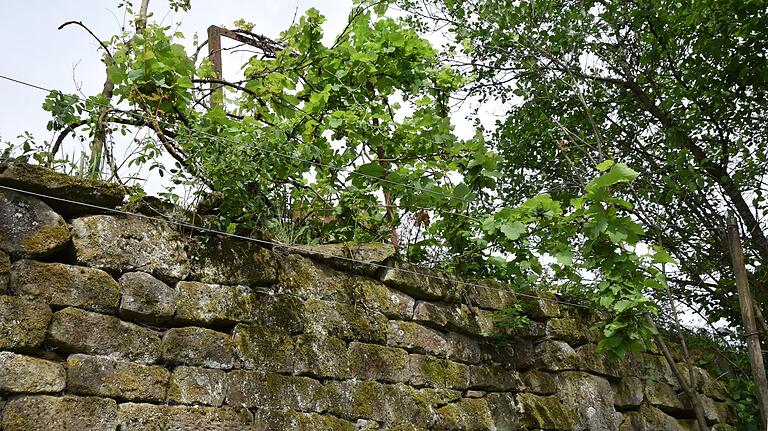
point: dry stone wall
(115, 322)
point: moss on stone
(438, 373)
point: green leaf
(512, 230)
(604, 165)
(619, 173)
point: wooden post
(214, 53)
(748, 316)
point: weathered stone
(150, 417)
(321, 356)
(66, 413)
(465, 415)
(106, 377)
(390, 404)
(438, 373)
(628, 393)
(463, 348)
(489, 377)
(274, 420)
(550, 355)
(421, 283)
(193, 385)
(22, 323)
(503, 410)
(146, 299)
(25, 374)
(714, 411)
(5, 272)
(63, 285)
(344, 321)
(539, 382)
(440, 396)
(30, 228)
(263, 349)
(198, 346)
(374, 362)
(39, 179)
(120, 244)
(650, 419)
(284, 312)
(710, 387)
(302, 277)
(275, 391)
(456, 317)
(416, 338)
(541, 307)
(80, 331)
(221, 260)
(591, 399)
(544, 412)
(653, 368)
(491, 294)
(366, 259)
(588, 358)
(663, 397)
(213, 304)
(571, 331)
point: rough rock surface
(144, 298)
(221, 260)
(63, 285)
(119, 244)
(22, 323)
(106, 377)
(65, 413)
(30, 228)
(28, 375)
(39, 179)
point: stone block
(279, 420)
(628, 393)
(539, 382)
(66, 413)
(504, 410)
(231, 261)
(416, 338)
(420, 283)
(105, 377)
(549, 355)
(321, 357)
(491, 294)
(572, 331)
(150, 417)
(5, 272)
(489, 377)
(79, 331)
(663, 397)
(465, 415)
(366, 259)
(590, 398)
(544, 413)
(194, 385)
(588, 358)
(63, 285)
(22, 323)
(391, 405)
(463, 348)
(30, 228)
(119, 244)
(275, 391)
(651, 419)
(438, 373)
(263, 349)
(283, 312)
(374, 362)
(39, 179)
(199, 347)
(344, 321)
(146, 299)
(455, 317)
(212, 304)
(27, 375)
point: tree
(676, 89)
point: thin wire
(229, 140)
(298, 248)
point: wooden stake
(748, 316)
